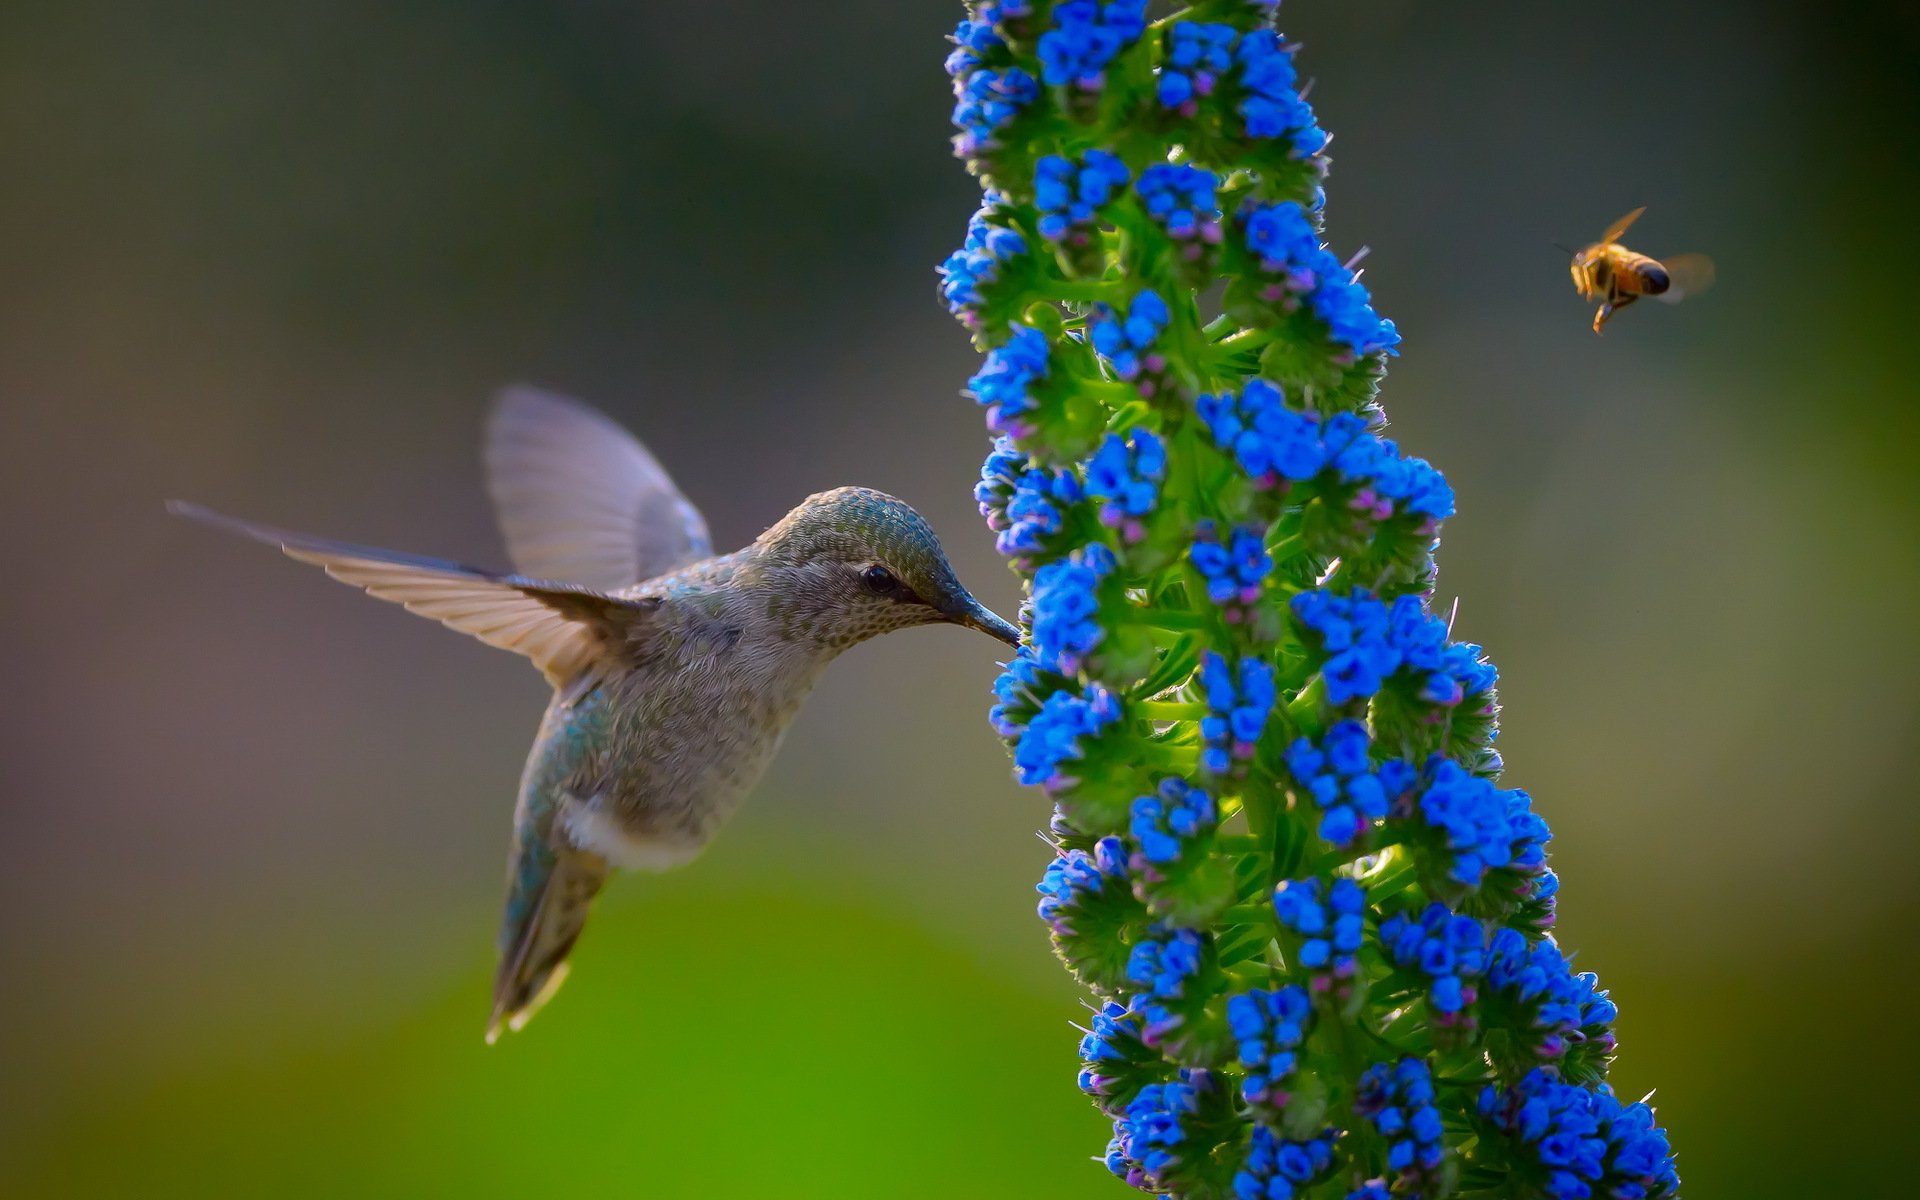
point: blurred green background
(276, 257)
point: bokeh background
(276, 257)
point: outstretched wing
(562, 628)
(1687, 275)
(579, 498)
(1619, 227)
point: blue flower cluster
(1584, 1141)
(1066, 601)
(1339, 776)
(1449, 948)
(1268, 1027)
(973, 39)
(1398, 1099)
(1272, 108)
(1366, 642)
(1198, 54)
(1269, 440)
(1164, 822)
(985, 101)
(1564, 1009)
(1272, 442)
(1077, 880)
(1239, 701)
(1486, 827)
(1112, 1056)
(1330, 922)
(1160, 968)
(1234, 570)
(1085, 37)
(1017, 694)
(1283, 238)
(1004, 382)
(1126, 342)
(1150, 1139)
(1278, 1169)
(1124, 474)
(1180, 196)
(1069, 194)
(1024, 504)
(976, 264)
(1053, 737)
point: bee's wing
(580, 499)
(1687, 275)
(1619, 227)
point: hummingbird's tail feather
(545, 912)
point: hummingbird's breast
(652, 760)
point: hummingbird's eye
(879, 580)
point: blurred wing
(1619, 227)
(1687, 275)
(562, 629)
(580, 499)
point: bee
(1616, 276)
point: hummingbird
(675, 672)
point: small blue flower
(1027, 510)
(973, 40)
(1161, 970)
(1398, 1100)
(1180, 197)
(1331, 924)
(1066, 603)
(1053, 737)
(1197, 56)
(1338, 775)
(986, 100)
(1279, 1169)
(1449, 948)
(1272, 107)
(1127, 342)
(1085, 37)
(1234, 570)
(1114, 1061)
(1270, 441)
(976, 265)
(1076, 881)
(1071, 194)
(1353, 633)
(1561, 1009)
(1268, 1028)
(1164, 823)
(1125, 474)
(1485, 827)
(1018, 693)
(1587, 1143)
(1240, 698)
(1283, 239)
(1002, 385)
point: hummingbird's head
(860, 563)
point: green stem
(1173, 619)
(1169, 710)
(1086, 291)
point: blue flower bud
(1085, 38)
(1055, 735)
(1397, 1098)
(1127, 342)
(1125, 474)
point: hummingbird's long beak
(975, 615)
